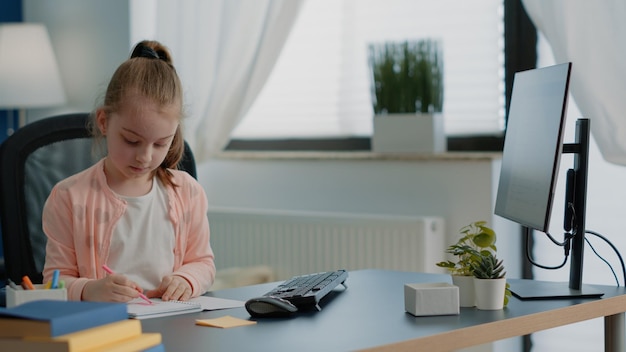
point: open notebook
(139, 309)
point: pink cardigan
(81, 212)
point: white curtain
(592, 35)
(224, 51)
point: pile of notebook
(72, 326)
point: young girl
(132, 211)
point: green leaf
(447, 264)
(507, 294)
(485, 239)
(476, 242)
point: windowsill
(358, 148)
(356, 155)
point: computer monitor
(530, 166)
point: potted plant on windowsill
(490, 285)
(407, 96)
(477, 238)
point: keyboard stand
(345, 287)
(306, 291)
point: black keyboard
(304, 291)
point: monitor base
(536, 290)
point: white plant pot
(466, 290)
(409, 133)
(489, 293)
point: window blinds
(320, 86)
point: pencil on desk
(55, 279)
(108, 270)
(27, 284)
(13, 285)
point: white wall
(460, 189)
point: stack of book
(72, 326)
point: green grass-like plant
(407, 77)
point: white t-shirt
(142, 245)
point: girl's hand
(173, 287)
(113, 288)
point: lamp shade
(29, 74)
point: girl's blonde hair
(149, 71)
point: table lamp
(29, 74)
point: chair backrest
(32, 161)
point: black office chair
(32, 161)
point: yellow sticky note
(224, 322)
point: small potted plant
(477, 238)
(490, 282)
(407, 96)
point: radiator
(295, 243)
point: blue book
(158, 348)
(48, 318)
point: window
(320, 86)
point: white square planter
(19, 296)
(438, 298)
(409, 133)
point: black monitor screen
(533, 146)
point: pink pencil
(108, 270)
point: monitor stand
(538, 290)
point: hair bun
(144, 51)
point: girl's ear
(101, 121)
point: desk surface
(370, 314)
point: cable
(614, 249)
(561, 244)
(565, 244)
(604, 260)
